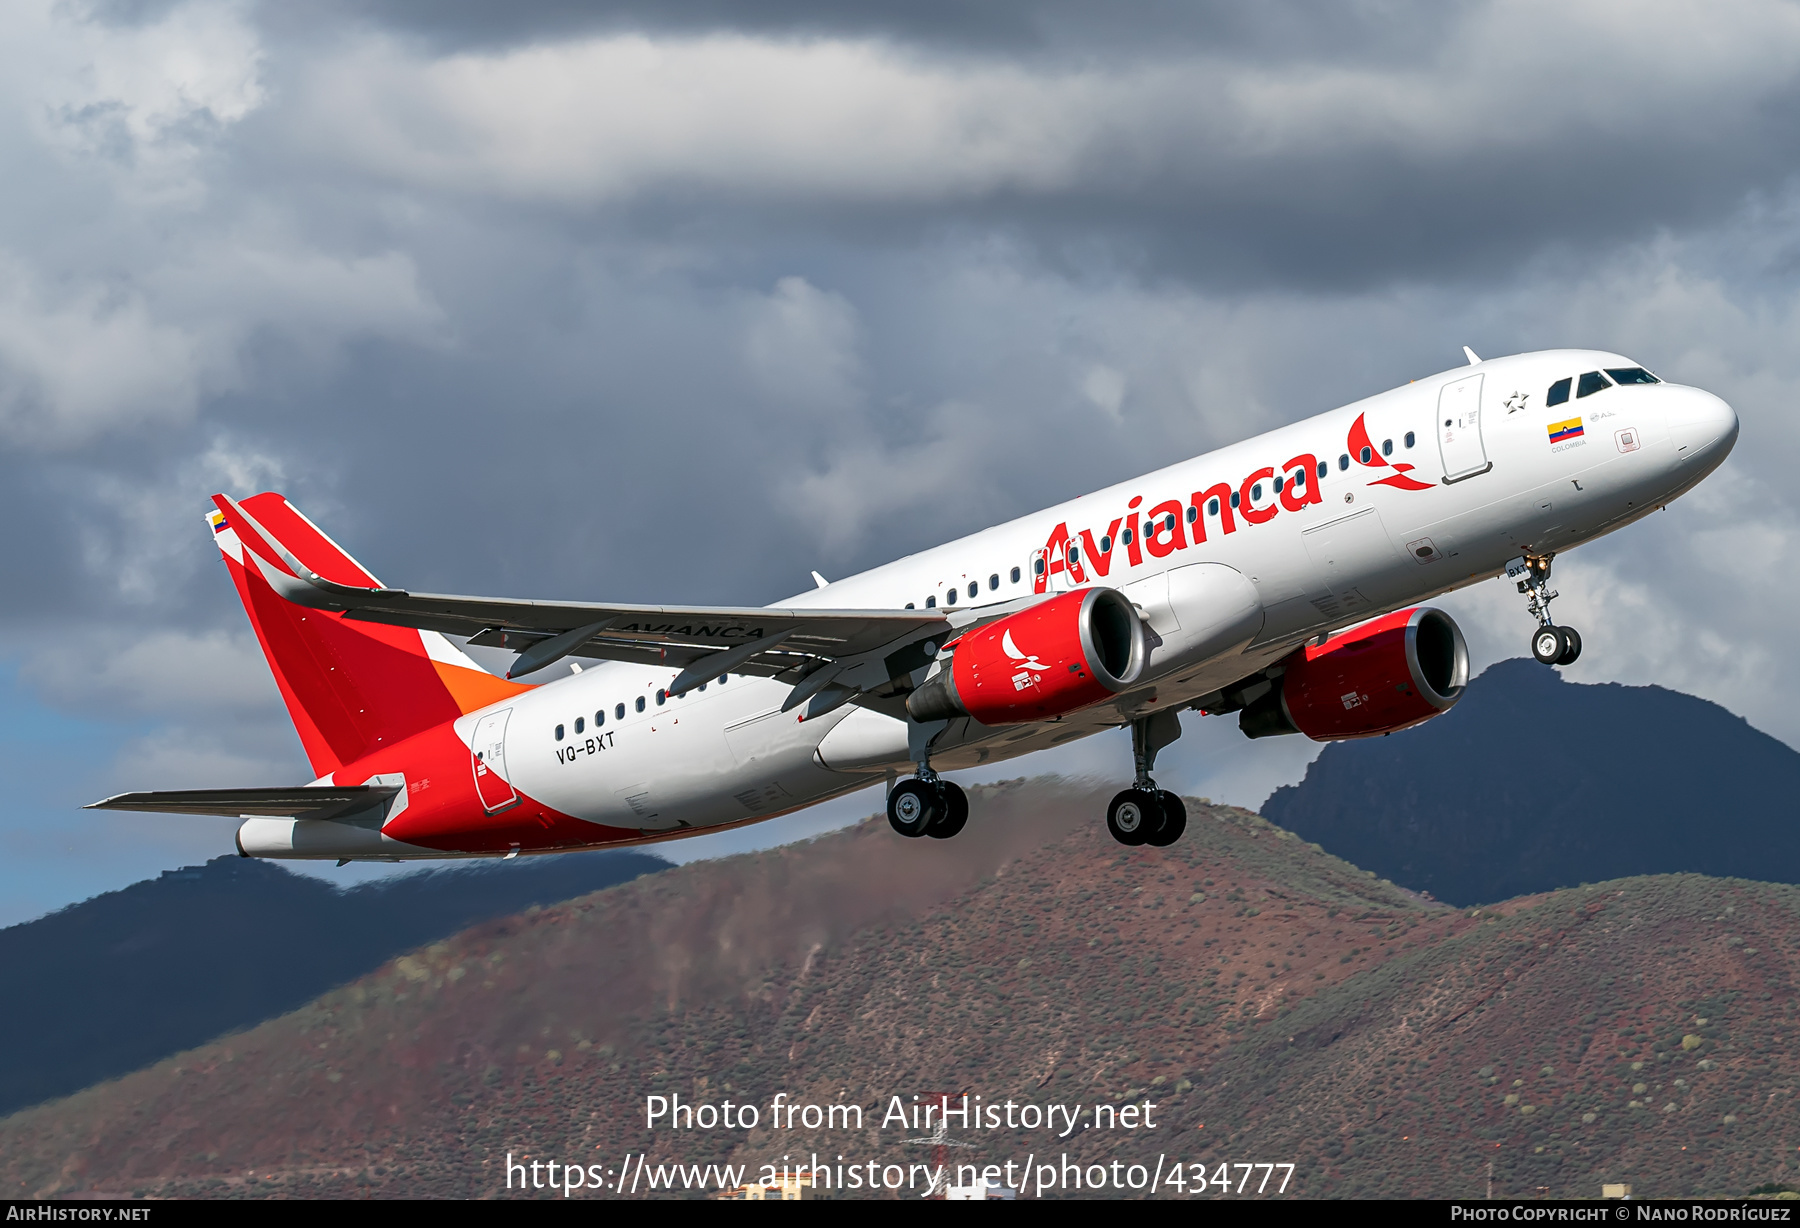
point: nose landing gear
(1145, 814)
(1550, 644)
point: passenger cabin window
(1193, 513)
(1365, 456)
(599, 718)
(1559, 392)
(1344, 461)
(1015, 575)
(1234, 499)
(909, 605)
(974, 588)
(1325, 468)
(931, 603)
(994, 582)
(580, 724)
(1631, 375)
(640, 703)
(1409, 439)
(559, 733)
(1387, 447)
(1591, 382)
(661, 697)
(619, 712)
(1277, 483)
(1126, 537)
(1038, 566)
(1212, 507)
(950, 596)
(1256, 492)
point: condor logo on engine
(1025, 662)
(1087, 646)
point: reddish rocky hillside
(1275, 1003)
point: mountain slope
(1030, 952)
(1276, 1004)
(1532, 783)
(1641, 1030)
(129, 977)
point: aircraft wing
(294, 803)
(831, 655)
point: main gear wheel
(913, 806)
(1135, 817)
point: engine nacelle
(1388, 674)
(1057, 656)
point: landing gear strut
(1145, 814)
(927, 805)
(1550, 644)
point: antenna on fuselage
(1472, 356)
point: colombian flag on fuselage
(1562, 432)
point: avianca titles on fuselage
(1279, 578)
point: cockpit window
(1559, 392)
(1591, 382)
(1631, 375)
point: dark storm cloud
(1060, 28)
(511, 303)
(1328, 147)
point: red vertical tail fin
(351, 687)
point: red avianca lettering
(1172, 526)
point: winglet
(1472, 356)
(820, 580)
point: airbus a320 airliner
(1278, 579)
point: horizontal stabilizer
(294, 803)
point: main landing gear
(1145, 814)
(927, 805)
(1550, 644)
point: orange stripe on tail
(351, 687)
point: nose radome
(1702, 427)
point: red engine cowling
(1055, 657)
(1388, 674)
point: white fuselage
(1363, 539)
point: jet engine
(1057, 656)
(1390, 673)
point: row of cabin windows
(950, 594)
(1591, 382)
(662, 697)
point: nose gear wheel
(1550, 644)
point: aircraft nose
(1703, 428)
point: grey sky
(632, 301)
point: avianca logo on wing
(1173, 525)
